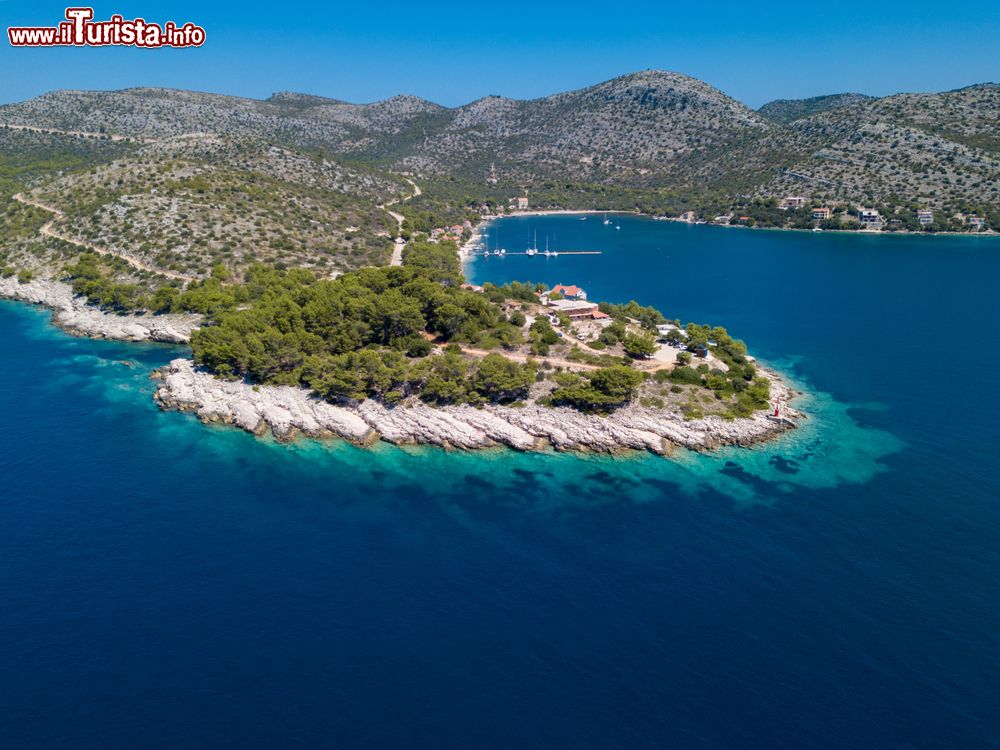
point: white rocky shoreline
(72, 314)
(288, 412)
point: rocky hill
(935, 149)
(183, 181)
(625, 130)
(789, 110)
(636, 129)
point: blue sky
(453, 52)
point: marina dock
(540, 253)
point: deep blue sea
(166, 584)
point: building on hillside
(689, 216)
(925, 216)
(724, 219)
(976, 222)
(576, 309)
(493, 178)
(568, 292)
(793, 201)
(822, 213)
(521, 204)
(870, 218)
(471, 287)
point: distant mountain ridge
(648, 133)
(630, 126)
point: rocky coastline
(288, 412)
(72, 314)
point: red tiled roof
(566, 291)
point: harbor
(501, 253)
(480, 247)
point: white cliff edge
(287, 412)
(75, 316)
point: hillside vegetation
(786, 111)
(182, 182)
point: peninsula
(412, 354)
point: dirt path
(397, 250)
(79, 133)
(57, 214)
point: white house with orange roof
(568, 292)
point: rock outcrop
(288, 412)
(75, 316)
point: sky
(453, 53)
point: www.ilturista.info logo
(80, 30)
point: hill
(626, 130)
(786, 111)
(940, 150)
(183, 181)
(637, 129)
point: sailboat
(533, 250)
(606, 220)
(497, 250)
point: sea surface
(167, 584)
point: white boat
(533, 250)
(606, 221)
(617, 226)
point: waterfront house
(568, 292)
(793, 201)
(689, 216)
(925, 216)
(822, 213)
(976, 222)
(870, 218)
(521, 204)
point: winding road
(397, 250)
(48, 231)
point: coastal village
(790, 212)
(843, 215)
(816, 213)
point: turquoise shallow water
(168, 584)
